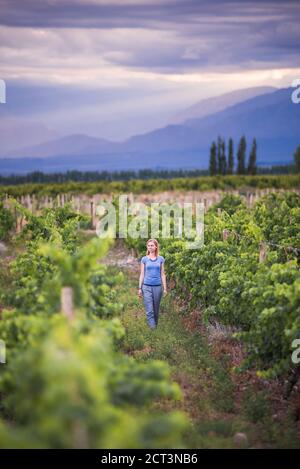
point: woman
(152, 277)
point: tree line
(222, 163)
(219, 163)
(39, 177)
(94, 176)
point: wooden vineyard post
(16, 219)
(35, 203)
(130, 198)
(29, 203)
(19, 223)
(92, 213)
(219, 211)
(78, 207)
(72, 200)
(262, 251)
(251, 200)
(66, 300)
(225, 234)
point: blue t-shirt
(152, 270)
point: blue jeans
(152, 296)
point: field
(82, 368)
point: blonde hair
(156, 246)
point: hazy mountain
(269, 116)
(17, 132)
(272, 118)
(76, 144)
(219, 103)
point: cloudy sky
(120, 67)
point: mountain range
(265, 113)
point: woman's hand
(140, 293)
(165, 292)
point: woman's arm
(163, 277)
(141, 279)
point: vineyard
(246, 275)
(205, 183)
(83, 371)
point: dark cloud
(89, 13)
(202, 34)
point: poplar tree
(223, 158)
(252, 168)
(213, 160)
(219, 155)
(230, 165)
(241, 155)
